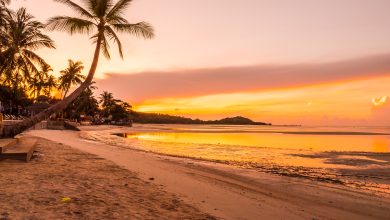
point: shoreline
(217, 188)
(354, 169)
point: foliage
(153, 118)
(86, 104)
(71, 76)
(114, 108)
(22, 71)
(13, 100)
(20, 37)
(104, 18)
(18, 61)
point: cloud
(381, 111)
(198, 82)
(380, 101)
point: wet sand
(230, 192)
(64, 183)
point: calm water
(355, 156)
(366, 139)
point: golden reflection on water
(329, 158)
(381, 145)
(366, 143)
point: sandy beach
(249, 110)
(167, 187)
(64, 183)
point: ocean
(354, 156)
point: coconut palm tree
(50, 84)
(19, 39)
(33, 86)
(106, 99)
(37, 83)
(107, 102)
(104, 19)
(44, 77)
(71, 76)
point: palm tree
(106, 99)
(104, 19)
(44, 77)
(71, 76)
(38, 81)
(20, 37)
(33, 87)
(107, 102)
(50, 84)
(85, 104)
(45, 70)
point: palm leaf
(111, 33)
(142, 29)
(77, 8)
(106, 48)
(34, 57)
(70, 24)
(118, 9)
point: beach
(148, 113)
(64, 183)
(197, 189)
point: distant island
(154, 118)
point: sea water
(355, 156)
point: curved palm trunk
(18, 128)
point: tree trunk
(11, 131)
(66, 92)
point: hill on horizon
(155, 118)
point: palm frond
(77, 8)
(4, 2)
(38, 41)
(118, 9)
(34, 57)
(70, 24)
(111, 33)
(142, 29)
(106, 47)
(117, 19)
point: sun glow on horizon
(336, 103)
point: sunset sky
(286, 62)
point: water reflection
(366, 143)
(358, 157)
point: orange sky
(285, 62)
(329, 104)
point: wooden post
(1, 124)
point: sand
(64, 183)
(229, 192)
